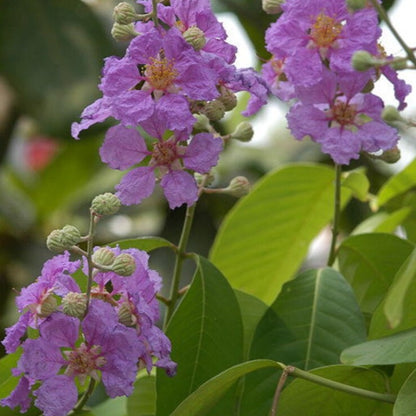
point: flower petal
(203, 152)
(136, 185)
(180, 188)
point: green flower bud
(124, 13)
(392, 116)
(123, 32)
(103, 257)
(228, 98)
(124, 265)
(48, 306)
(125, 315)
(363, 60)
(71, 235)
(195, 37)
(202, 122)
(214, 110)
(74, 304)
(238, 187)
(243, 132)
(390, 155)
(356, 4)
(105, 204)
(272, 6)
(55, 241)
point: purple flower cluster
(170, 72)
(312, 44)
(116, 337)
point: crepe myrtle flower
(107, 351)
(157, 64)
(196, 19)
(344, 121)
(321, 33)
(168, 159)
(273, 73)
(37, 301)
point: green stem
(154, 13)
(337, 211)
(383, 397)
(383, 15)
(180, 257)
(84, 398)
(90, 247)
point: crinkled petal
(180, 188)
(56, 396)
(132, 107)
(401, 89)
(203, 152)
(123, 147)
(96, 112)
(14, 334)
(198, 81)
(119, 75)
(306, 120)
(60, 330)
(20, 396)
(377, 135)
(136, 185)
(141, 48)
(341, 145)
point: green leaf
(369, 263)
(358, 183)
(406, 399)
(303, 396)
(396, 349)
(265, 237)
(8, 381)
(202, 400)
(207, 338)
(111, 407)
(143, 243)
(51, 54)
(398, 292)
(252, 310)
(295, 331)
(398, 184)
(143, 400)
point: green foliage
(406, 399)
(265, 237)
(143, 243)
(143, 400)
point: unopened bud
(204, 179)
(74, 304)
(48, 306)
(392, 116)
(103, 256)
(228, 98)
(55, 241)
(202, 122)
(214, 110)
(71, 235)
(272, 6)
(195, 37)
(243, 132)
(238, 187)
(363, 60)
(391, 155)
(123, 32)
(125, 315)
(356, 4)
(124, 265)
(105, 204)
(124, 13)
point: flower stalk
(337, 212)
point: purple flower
(274, 75)
(320, 33)
(37, 301)
(344, 121)
(123, 148)
(109, 349)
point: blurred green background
(51, 54)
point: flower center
(160, 73)
(83, 361)
(164, 153)
(325, 31)
(278, 65)
(343, 113)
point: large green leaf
(314, 318)
(302, 397)
(398, 184)
(207, 338)
(51, 54)
(7, 381)
(406, 399)
(369, 262)
(143, 243)
(396, 349)
(111, 407)
(202, 400)
(265, 237)
(143, 400)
